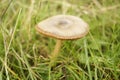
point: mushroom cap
(63, 27)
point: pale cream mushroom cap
(63, 27)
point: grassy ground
(24, 52)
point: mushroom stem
(56, 50)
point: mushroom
(62, 27)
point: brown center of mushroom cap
(63, 27)
(64, 23)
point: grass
(24, 52)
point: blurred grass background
(24, 52)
